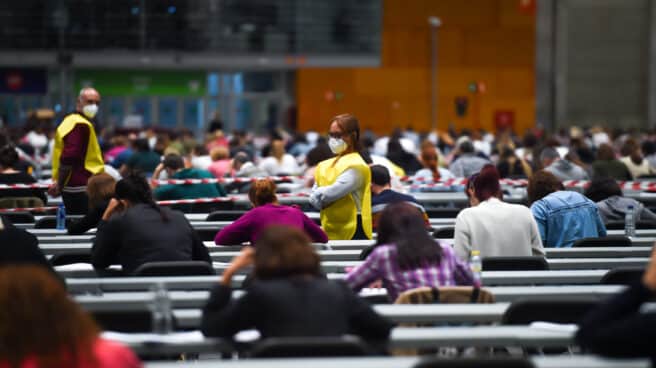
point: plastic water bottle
(61, 217)
(476, 266)
(629, 222)
(162, 313)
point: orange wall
(490, 41)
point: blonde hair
(219, 153)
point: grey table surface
(573, 361)
(196, 298)
(490, 278)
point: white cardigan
(497, 229)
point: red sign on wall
(504, 119)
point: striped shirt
(382, 264)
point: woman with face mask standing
(342, 184)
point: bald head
(88, 95)
(89, 98)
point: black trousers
(76, 203)
(359, 230)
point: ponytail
(134, 188)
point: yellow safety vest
(339, 218)
(93, 161)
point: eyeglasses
(337, 134)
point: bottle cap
(475, 252)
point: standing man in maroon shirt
(76, 156)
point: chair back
(527, 263)
(19, 217)
(449, 294)
(623, 276)
(559, 310)
(124, 321)
(442, 212)
(20, 202)
(175, 268)
(492, 362)
(70, 258)
(447, 232)
(287, 347)
(619, 225)
(604, 241)
(224, 215)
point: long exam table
(573, 361)
(131, 300)
(567, 277)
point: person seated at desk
(288, 297)
(267, 212)
(612, 205)
(477, 227)
(562, 216)
(382, 195)
(19, 246)
(406, 257)
(9, 175)
(143, 159)
(432, 172)
(43, 327)
(100, 190)
(134, 230)
(175, 169)
(617, 327)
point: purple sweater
(249, 226)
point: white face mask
(90, 110)
(337, 145)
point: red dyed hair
(486, 184)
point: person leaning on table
(288, 297)
(342, 184)
(617, 327)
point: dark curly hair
(8, 156)
(541, 184)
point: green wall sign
(142, 82)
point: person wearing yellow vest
(342, 188)
(76, 155)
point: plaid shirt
(382, 264)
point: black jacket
(293, 307)
(139, 235)
(89, 221)
(18, 246)
(617, 328)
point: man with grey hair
(76, 154)
(562, 168)
(467, 163)
(245, 168)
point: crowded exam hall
(290, 183)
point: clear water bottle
(476, 266)
(629, 222)
(162, 313)
(61, 217)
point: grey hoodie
(565, 170)
(615, 208)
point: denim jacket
(564, 217)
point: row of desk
(574, 361)
(551, 277)
(109, 298)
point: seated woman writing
(289, 297)
(267, 212)
(406, 257)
